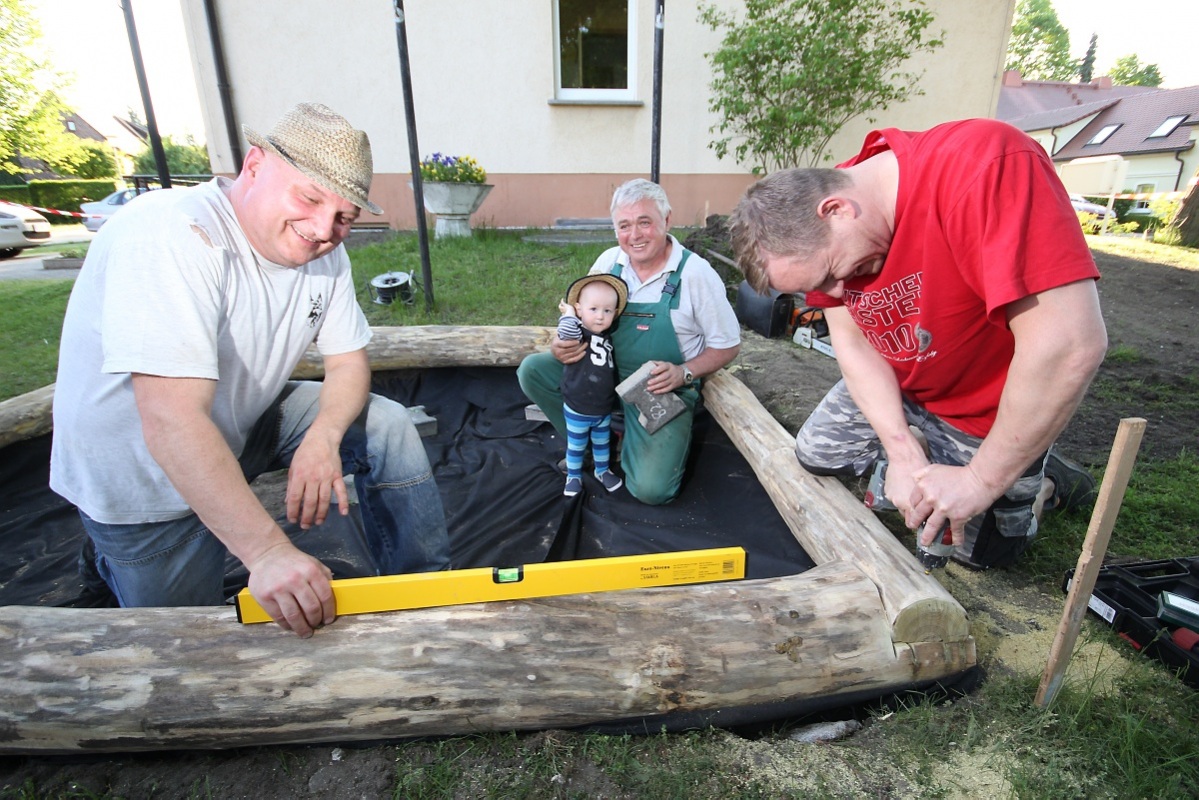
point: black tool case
(1126, 595)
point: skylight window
(1104, 134)
(1167, 127)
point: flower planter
(453, 203)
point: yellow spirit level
(485, 584)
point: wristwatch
(688, 376)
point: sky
(88, 39)
(1159, 32)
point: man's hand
(568, 351)
(901, 481)
(293, 588)
(943, 494)
(314, 480)
(665, 377)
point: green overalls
(652, 463)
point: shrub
(67, 195)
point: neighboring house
(554, 99)
(1152, 131)
(36, 169)
(128, 140)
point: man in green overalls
(678, 316)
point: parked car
(101, 210)
(20, 228)
(1084, 206)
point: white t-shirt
(703, 317)
(172, 287)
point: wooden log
(103, 680)
(830, 523)
(137, 679)
(26, 416)
(443, 346)
(29, 415)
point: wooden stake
(1103, 519)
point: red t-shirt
(981, 220)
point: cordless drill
(933, 556)
(936, 553)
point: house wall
(1162, 170)
(1066, 133)
(483, 85)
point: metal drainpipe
(655, 157)
(1181, 165)
(222, 83)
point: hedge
(65, 195)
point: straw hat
(324, 146)
(622, 290)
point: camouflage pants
(837, 440)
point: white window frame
(1104, 134)
(1143, 188)
(1167, 127)
(626, 95)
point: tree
(95, 160)
(1040, 44)
(1186, 221)
(30, 109)
(793, 72)
(1086, 67)
(1129, 71)
(187, 158)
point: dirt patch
(1150, 312)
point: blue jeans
(180, 563)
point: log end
(931, 619)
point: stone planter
(453, 203)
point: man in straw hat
(191, 311)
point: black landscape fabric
(499, 482)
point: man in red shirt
(960, 298)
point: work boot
(1073, 486)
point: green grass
(1138, 248)
(1122, 354)
(510, 766)
(1158, 519)
(1137, 740)
(30, 329)
(491, 278)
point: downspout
(1181, 165)
(222, 83)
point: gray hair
(635, 191)
(779, 216)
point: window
(1143, 205)
(595, 59)
(1104, 134)
(1167, 127)
(70, 125)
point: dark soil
(1152, 373)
